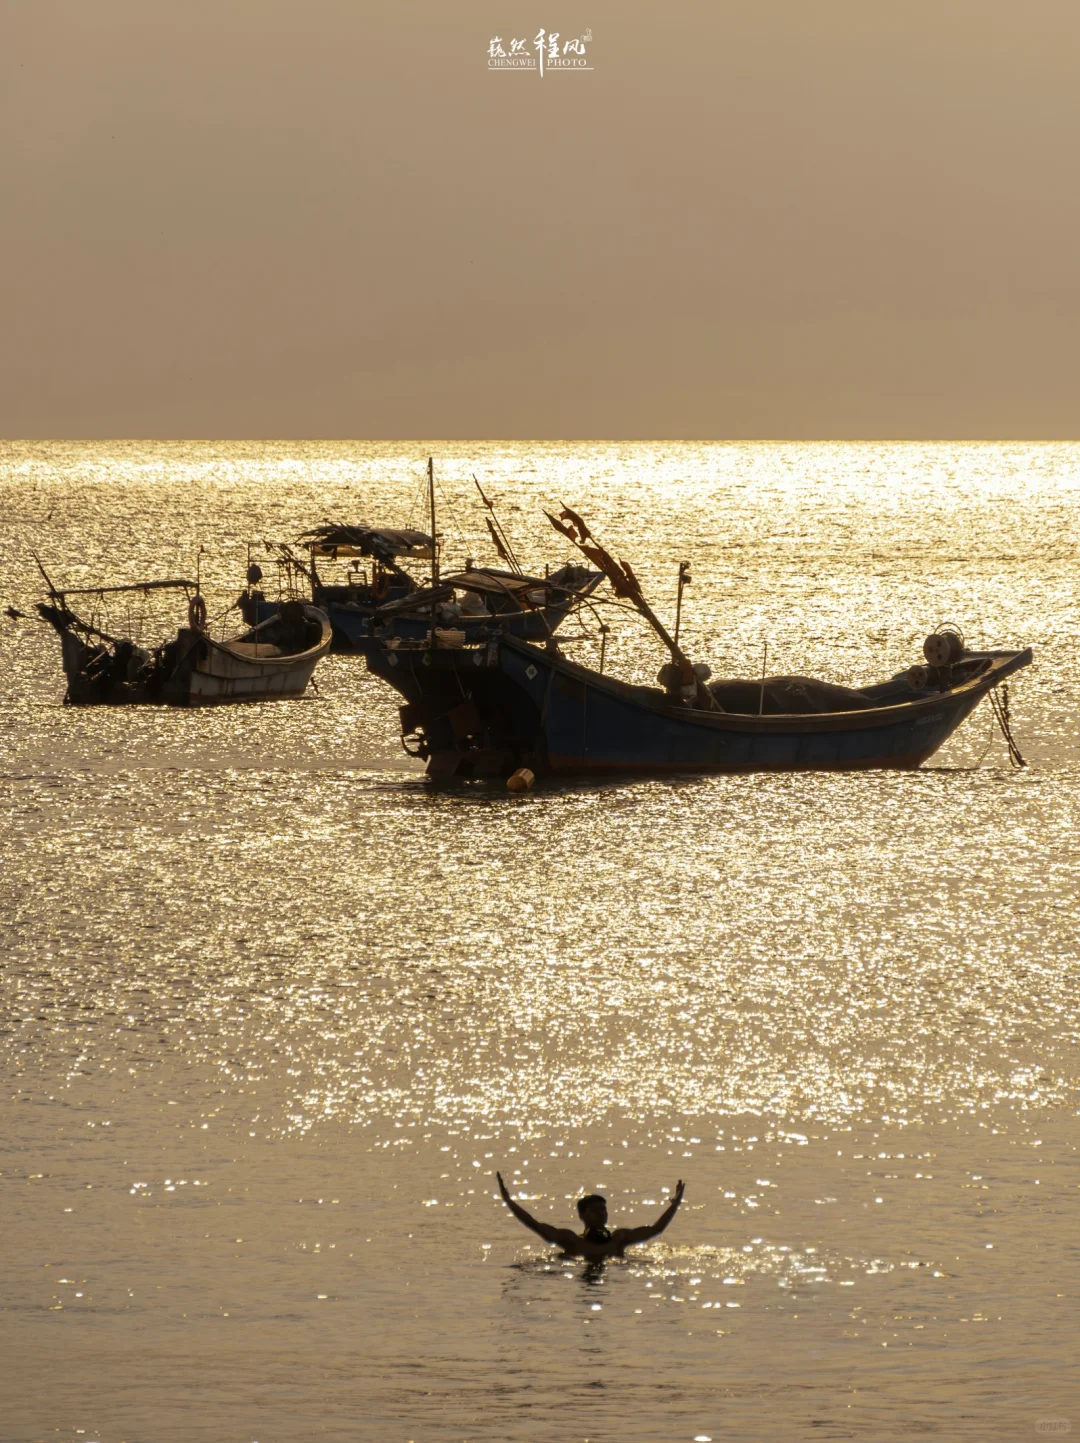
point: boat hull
(219, 676)
(489, 709)
(192, 670)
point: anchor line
(1000, 705)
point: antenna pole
(434, 549)
(761, 693)
(684, 580)
(431, 508)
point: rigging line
(498, 526)
(417, 501)
(450, 507)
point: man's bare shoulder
(564, 1238)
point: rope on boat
(1000, 705)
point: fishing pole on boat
(53, 593)
(434, 551)
(625, 584)
(498, 534)
(178, 583)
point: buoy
(197, 612)
(521, 780)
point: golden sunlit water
(275, 1009)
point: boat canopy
(381, 542)
(491, 582)
(482, 581)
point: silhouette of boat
(379, 601)
(379, 597)
(501, 704)
(273, 660)
(486, 709)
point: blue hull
(487, 709)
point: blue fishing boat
(490, 708)
(373, 571)
(503, 706)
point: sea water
(275, 1009)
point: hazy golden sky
(772, 218)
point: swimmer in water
(596, 1242)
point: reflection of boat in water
(273, 660)
(500, 704)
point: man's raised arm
(550, 1234)
(623, 1237)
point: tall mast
(434, 554)
(434, 537)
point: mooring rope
(1000, 705)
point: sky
(747, 219)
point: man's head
(592, 1210)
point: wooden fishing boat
(362, 611)
(273, 660)
(378, 596)
(486, 710)
(502, 705)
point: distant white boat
(271, 661)
(259, 665)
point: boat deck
(255, 650)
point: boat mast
(434, 537)
(434, 550)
